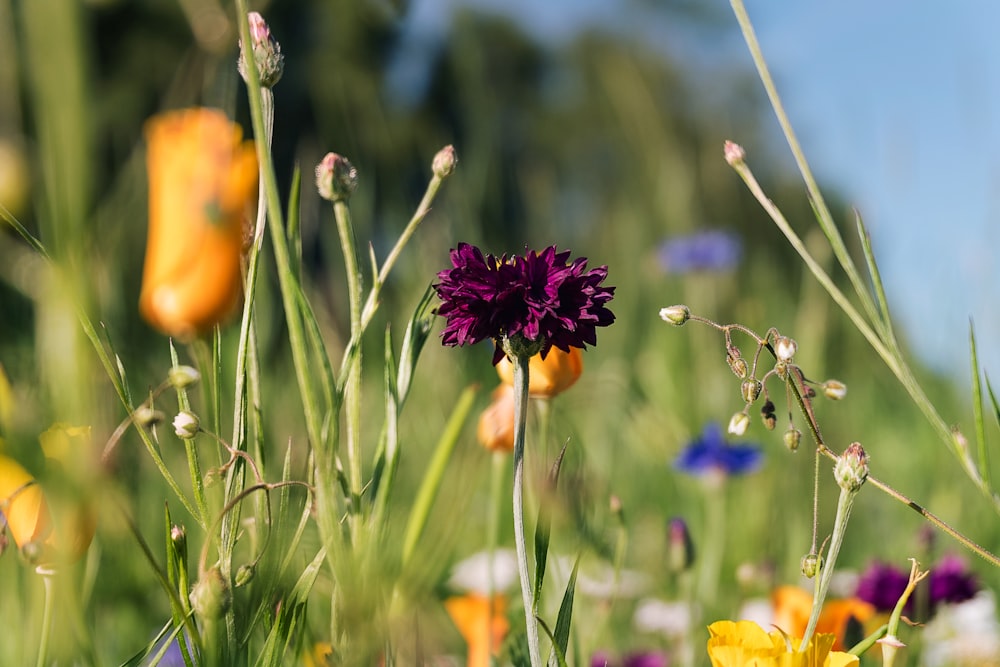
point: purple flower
(703, 251)
(640, 659)
(538, 297)
(950, 581)
(710, 453)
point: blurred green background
(598, 144)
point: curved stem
(520, 363)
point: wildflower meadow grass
(268, 410)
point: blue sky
(895, 103)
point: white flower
(671, 619)
(473, 574)
(966, 634)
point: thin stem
(498, 468)
(43, 642)
(520, 363)
(844, 505)
(352, 396)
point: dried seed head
(811, 564)
(738, 423)
(791, 438)
(750, 389)
(835, 390)
(785, 348)
(767, 415)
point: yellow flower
(48, 528)
(480, 627)
(202, 181)
(550, 376)
(496, 423)
(746, 644)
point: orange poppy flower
(547, 377)
(481, 629)
(496, 423)
(792, 606)
(202, 182)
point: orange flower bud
(550, 376)
(482, 625)
(202, 180)
(496, 423)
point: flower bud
(182, 377)
(767, 415)
(811, 565)
(186, 424)
(792, 437)
(245, 574)
(680, 547)
(785, 348)
(738, 424)
(444, 162)
(266, 53)
(750, 390)
(210, 597)
(835, 390)
(336, 178)
(147, 417)
(547, 377)
(851, 469)
(178, 536)
(676, 315)
(737, 363)
(496, 423)
(733, 153)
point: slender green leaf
(435, 472)
(564, 620)
(983, 462)
(543, 526)
(876, 278)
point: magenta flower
(538, 297)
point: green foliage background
(602, 144)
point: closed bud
(186, 425)
(182, 377)
(851, 469)
(733, 153)
(811, 564)
(444, 162)
(750, 390)
(737, 363)
(767, 415)
(245, 574)
(835, 390)
(680, 547)
(792, 437)
(336, 178)
(738, 424)
(147, 417)
(676, 315)
(266, 52)
(785, 348)
(210, 597)
(178, 536)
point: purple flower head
(714, 250)
(538, 297)
(950, 581)
(710, 453)
(639, 659)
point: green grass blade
(876, 278)
(560, 640)
(543, 527)
(983, 462)
(435, 472)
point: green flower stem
(520, 364)
(498, 470)
(194, 465)
(287, 282)
(844, 505)
(715, 540)
(352, 394)
(43, 640)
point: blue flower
(714, 250)
(710, 453)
